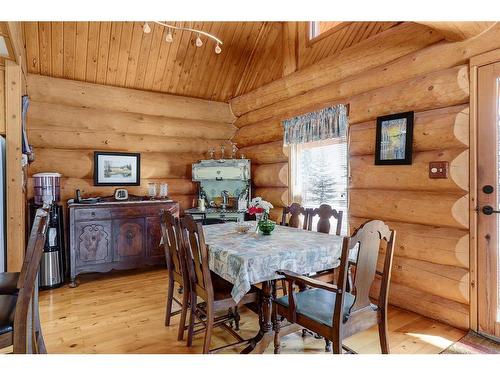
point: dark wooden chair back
(27, 279)
(196, 253)
(174, 252)
(365, 243)
(325, 213)
(294, 210)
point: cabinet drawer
(142, 211)
(92, 214)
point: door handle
(488, 210)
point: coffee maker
(54, 263)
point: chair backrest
(294, 210)
(28, 277)
(325, 213)
(366, 241)
(174, 252)
(196, 253)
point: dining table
(246, 259)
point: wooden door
(129, 240)
(488, 197)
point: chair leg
(328, 346)
(182, 321)
(237, 318)
(383, 332)
(277, 338)
(208, 329)
(191, 320)
(337, 345)
(170, 297)
(283, 286)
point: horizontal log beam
(366, 175)
(69, 185)
(444, 310)
(266, 153)
(445, 128)
(278, 197)
(261, 132)
(154, 165)
(120, 142)
(83, 94)
(458, 31)
(444, 281)
(382, 48)
(427, 208)
(438, 89)
(50, 116)
(270, 175)
(446, 246)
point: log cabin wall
(406, 68)
(69, 120)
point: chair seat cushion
(8, 282)
(7, 309)
(317, 304)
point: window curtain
(312, 129)
(328, 123)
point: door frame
(474, 64)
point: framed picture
(394, 139)
(117, 169)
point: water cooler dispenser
(54, 261)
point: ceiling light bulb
(198, 42)
(169, 38)
(218, 50)
(146, 28)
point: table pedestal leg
(265, 335)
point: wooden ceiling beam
(458, 31)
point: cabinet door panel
(93, 242)
(154, 248)
(128, 239)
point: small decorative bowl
(243, 227)
(266, 226)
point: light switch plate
(438, 169)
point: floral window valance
(328, 123)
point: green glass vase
(266, 226)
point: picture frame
(117, 169)
(394, 139)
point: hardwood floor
(124, 313)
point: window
(316, 28)
(320, 175)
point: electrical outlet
(438, 169)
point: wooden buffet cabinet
(115, 235)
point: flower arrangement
(260, 208)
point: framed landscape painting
(117, 169)
(394, 139)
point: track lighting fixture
(198, 41)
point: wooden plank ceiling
(121, 54)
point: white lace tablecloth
(246, 259)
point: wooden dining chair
(294, 211)
(19, 325)
(212, 289)
(177, 272)
(325, 213)
(331, 311)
